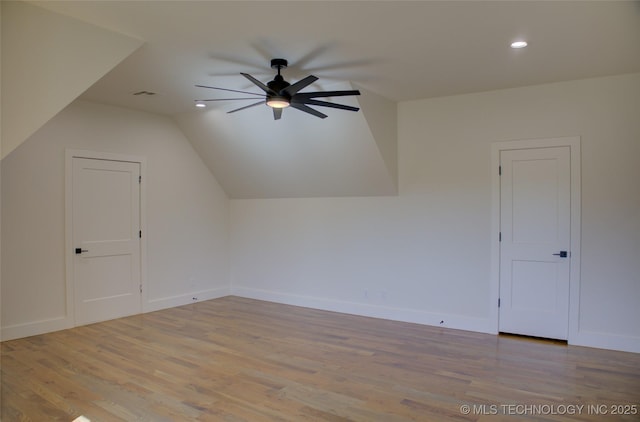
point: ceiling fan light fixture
(277, 101)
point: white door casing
(106, 230)
(535, 228)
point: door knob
(80, 250)
(562, 254)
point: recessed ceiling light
(519, 44)
(201, 105)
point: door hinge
(499, 170)
(498, 302)
(499, 236)
(140, 234)
(141, 288)
(139, 179)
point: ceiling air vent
(144, 93)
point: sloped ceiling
(392, 50)
(48, 60)
(253, 156)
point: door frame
(574, 277)
(70, 154)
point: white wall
(187, 215)
(424, 256)
(0, 185)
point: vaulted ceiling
(392, 51)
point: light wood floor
(234, 359)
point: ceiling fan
(279, 94)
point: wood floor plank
(235, 359)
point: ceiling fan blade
(277, 113)
(328, 104)
(259, 84)
(309, 110)
(227, 99)
(302, 83)
(307, 95)
(245, 107)
(230, 90)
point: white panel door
(106, 239)
(535, 232)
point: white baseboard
(460, 322)
(184, 299)
(35, 328)
(606, 341)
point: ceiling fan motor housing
(278, 84)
